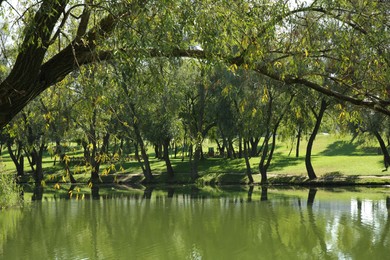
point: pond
(199, 223)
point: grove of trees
(170, 74)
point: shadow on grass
(337, 176)
(279, 162)
(220, 165)
(347, 148)
(222, 179)
(287, 179)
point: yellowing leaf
(278, 64)
(254, 111)
(233, 68)
(264, 98)
(226, 90)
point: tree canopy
(344, 42)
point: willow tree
(248, 34)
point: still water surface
(188, 223)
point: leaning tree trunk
(147, 170)
(262, 164)
(267, 155)
(309, 167)
(386, 156)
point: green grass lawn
(331, 155)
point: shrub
(9, 190)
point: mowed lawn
(331, 154)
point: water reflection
(198, 223)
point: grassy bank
(335, 159)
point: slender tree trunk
(267, 155)
(147, 170)
(299, 136)
(199, 129)
(221, 148)
(166, 158)
(386, 156)
(247, 163)
(92, 154)
(69, 173)
(262, 164)
(309, 167)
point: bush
(9, 190)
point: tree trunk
(92, 154)
(231, 148)
(262, 164)
(299, 136)
(386, 156)
(195, 162)
(266, 157)
(166, 158)
(69, 174)
(136, 151)
(38, 155)
(221, 148)
(309, 167)
(17, 158)
(247, 163)
(254, 143)
(147, 170)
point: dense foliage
(173, 73)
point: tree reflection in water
(169, 223)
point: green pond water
(189, 223)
